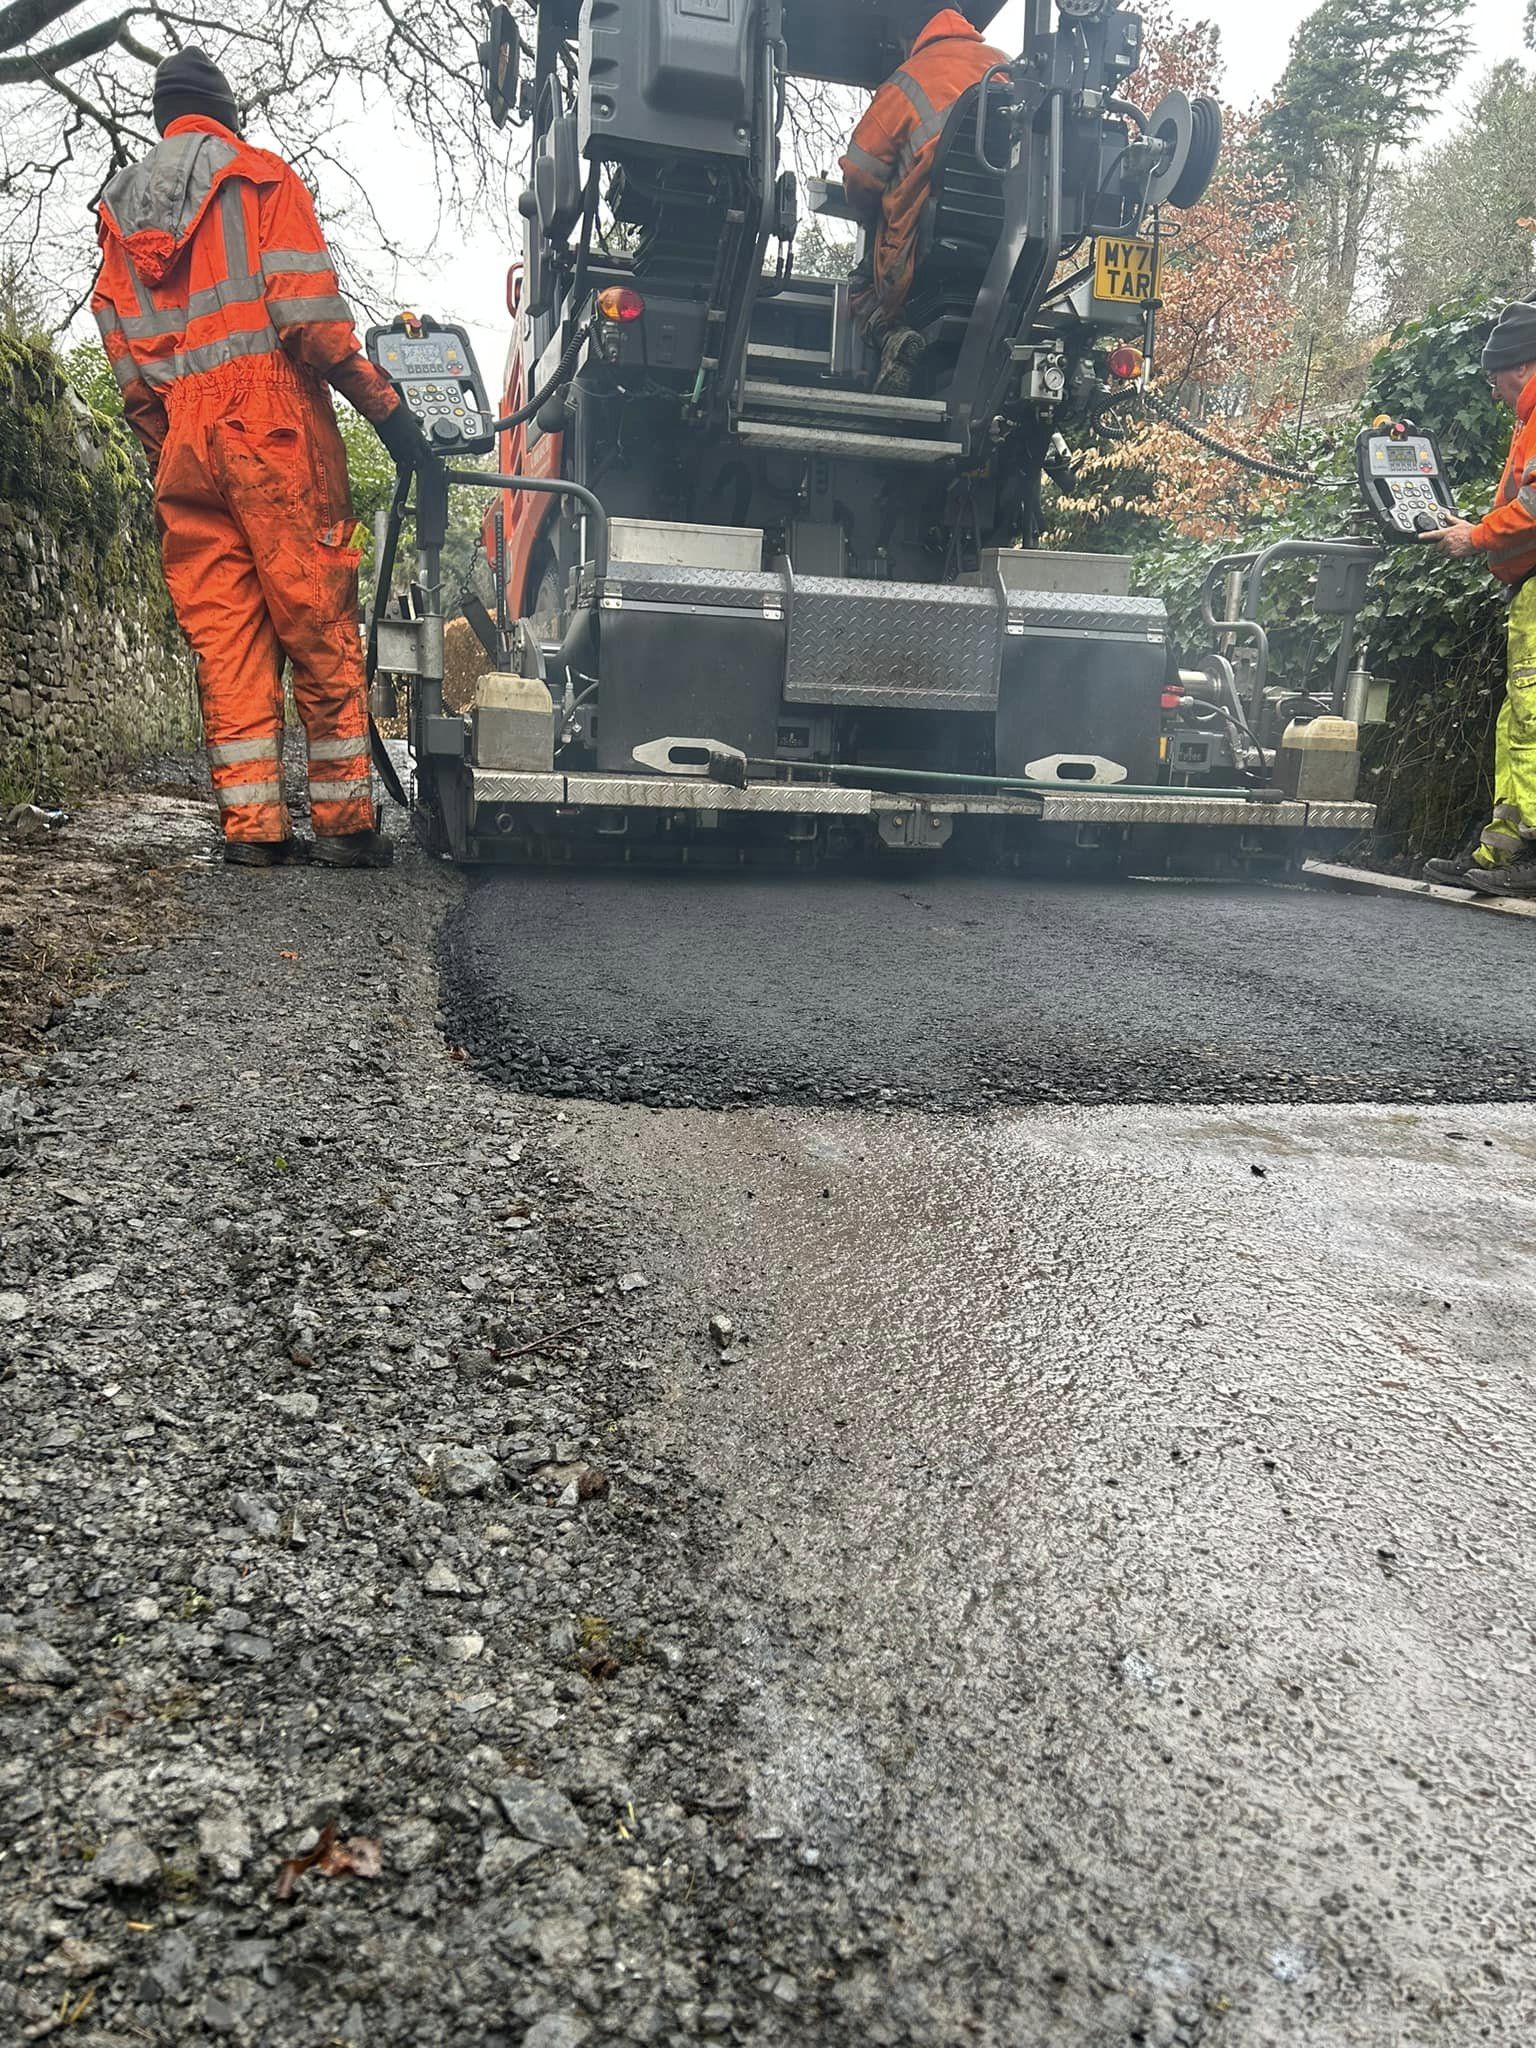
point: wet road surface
(1133, 1552)
(959, 991)
(1130, 1554)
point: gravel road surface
(954, 991)
(1079, 1592)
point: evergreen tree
(1363, 77)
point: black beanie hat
(1513, 340)
(191, 83)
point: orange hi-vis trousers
(255, 534)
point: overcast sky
(467, 281)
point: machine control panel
(433, 368)
(1403, 479)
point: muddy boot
(900, 355)
(354, 850)
(265, 853)
(1451, 870)
(1511, 878)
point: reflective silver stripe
(338, 792)
(309, 261)
(228, 752)
(871, 165)
(237, 248)
(905, 82)
(171, 321)
(1526, 500)
(126, 371)
(338, 750)
(294, 312)
(107, 322)
(235, 291)
(1512, 549)
(918, 141)
(190, 360)
(249, 793)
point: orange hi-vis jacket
(1507, 537)
(889, 162)
(211, 254)
(219, 308)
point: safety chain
(1282, 471)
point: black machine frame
(821, 604)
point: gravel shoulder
(326, 1530)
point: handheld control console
(432, 366)
(1403, 479)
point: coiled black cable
(563, 372)
(1281, 471)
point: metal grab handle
(983, 109)
(552, 487)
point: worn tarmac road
(1130, 1535)
(964, 991)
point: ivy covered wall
(93, 672)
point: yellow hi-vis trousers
(1512, 828)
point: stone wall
(94, 674)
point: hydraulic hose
(384, 577)
(1171, 416)
(563, 372)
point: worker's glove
(402, 436)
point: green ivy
(66, 454)
(1434, 627)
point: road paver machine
(743, 603)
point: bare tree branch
(75, 49)
(24, 19)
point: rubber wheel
(1194, 180)
(547, 617)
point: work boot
(900, 354)
(265, 853)
(1512, 878)
(1450, 870)
(354, 850)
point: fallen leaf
(287, 956)
(357, 1856)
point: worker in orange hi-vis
(887, 169)
(219, 309)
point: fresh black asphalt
(957, 992)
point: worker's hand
(402, 436)
(1455, 539)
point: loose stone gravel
(324, 1522)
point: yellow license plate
(1124, 271)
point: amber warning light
(1125, 361)
(618, 302)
